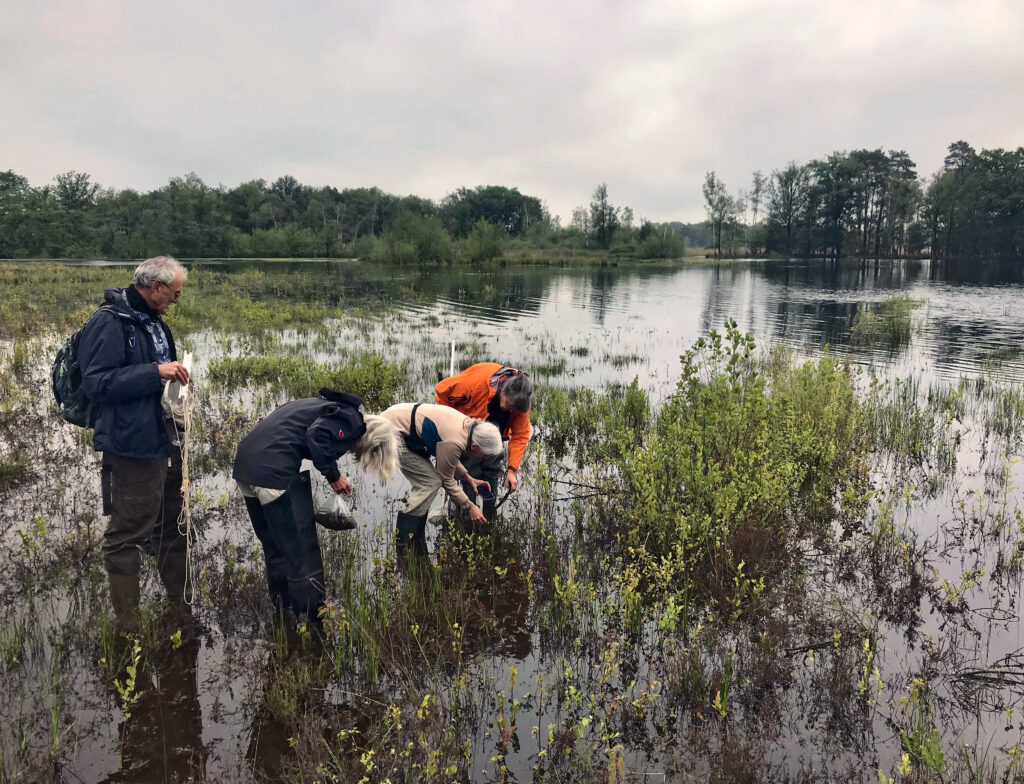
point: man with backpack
(127, 355)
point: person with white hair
(445, 434)
(127, 355)
(278, 496)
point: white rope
(185, 527)
(179, 401)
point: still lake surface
(970, 314)
(968, 317)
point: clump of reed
(887, 324)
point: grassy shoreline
(512, 257)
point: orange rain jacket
(471, 390)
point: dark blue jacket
(120, 377)
(311, 428)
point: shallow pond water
(204, 712)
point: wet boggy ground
(877, 639)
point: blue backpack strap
(414, 441)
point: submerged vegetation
(781, 569)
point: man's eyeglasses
(175, 293)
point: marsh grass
(888, 324)
(248, 300)
(370, 376)
(1005, 416)
(586, 424)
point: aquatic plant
(888, 323)
(128, 687)
(589, 425)
(922, 740)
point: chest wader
(291, 549)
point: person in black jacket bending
(279, 498)
(127, 354)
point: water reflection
(162, 740)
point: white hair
(377, 448)
(158, 268)
(487, 436)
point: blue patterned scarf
(153, 327)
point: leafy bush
(413, 238)
(738, 466)
(391, 250)
(483, 243)
(664, 244)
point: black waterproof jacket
(120, 377)
(311, 428)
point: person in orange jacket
(500, 395)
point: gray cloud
(423, 98)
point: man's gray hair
(518, 389)
(487, 436)
(158, 268)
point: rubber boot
(173, 568)
(307, 596)
(124, 598)
(292, 532)
(273, 559)
(411, 533)
(490, 510)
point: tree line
(873, 204)
(73, 217)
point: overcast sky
(549, 97)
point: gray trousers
(144, 503)
(489, 468)
(423, 478)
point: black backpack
(66, 376)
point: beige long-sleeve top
(445, 431)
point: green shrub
(412, 238)
(362, 247)
(665, 244)
(738, 466)
(483, 243)
(392, 250)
